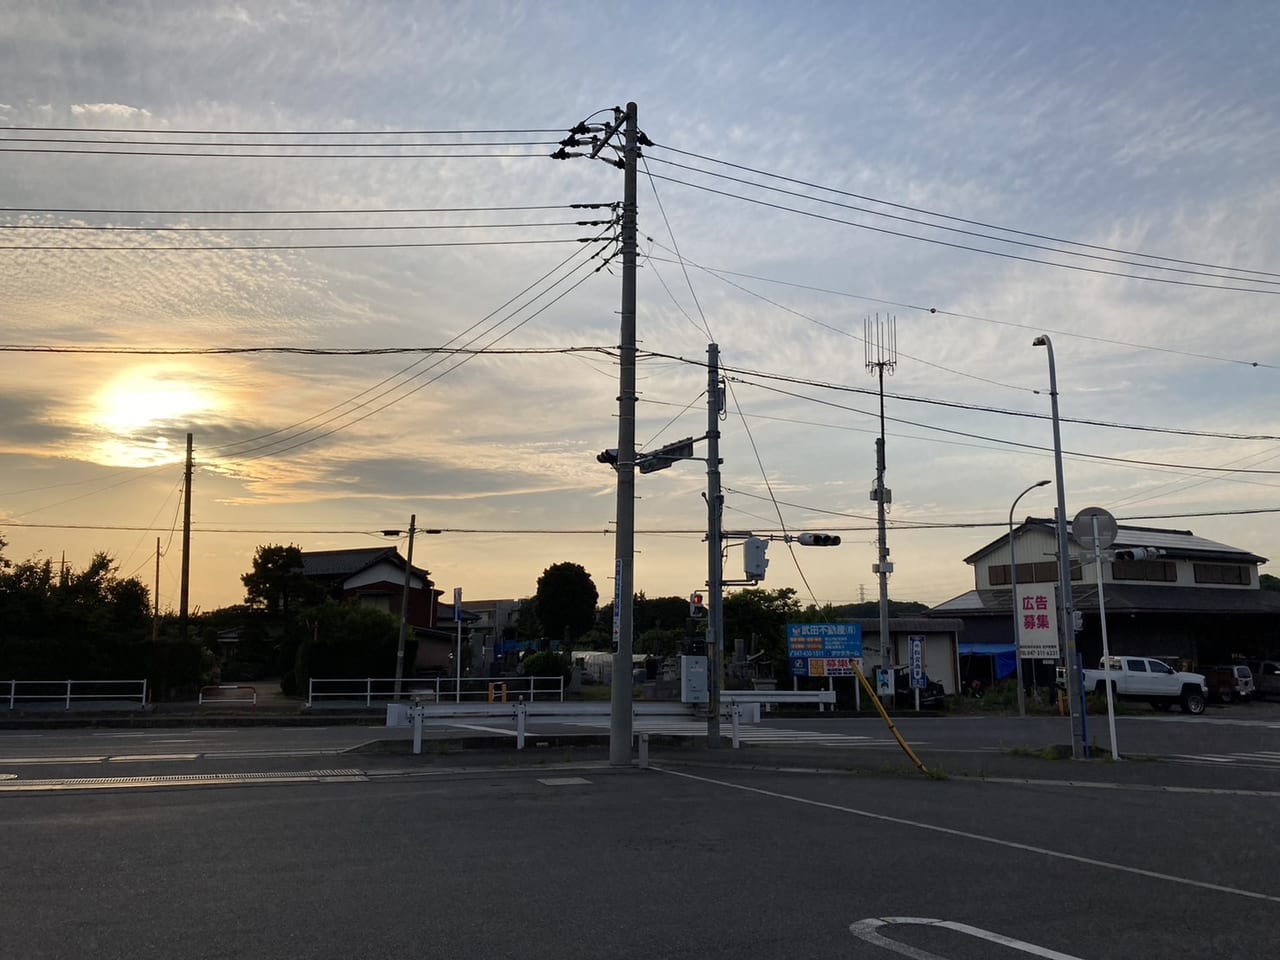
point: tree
(761, 617)
(565, 601)
(276, 584)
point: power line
(309, 228)
(228, 248)
(189, 154)
(253, 455)
(111, 141)
(720, 273)
(955, 219)
(975, 233)
(303, 351)
(1015, 443)
(963, 246)
(284, 133)
(973, 407)
(837, 330)
(179, 212)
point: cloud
(108, 112)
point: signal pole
(715, 550)
(881, 350)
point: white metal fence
(371, 690)
(67, 693)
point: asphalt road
(687, 860)
(338, 842)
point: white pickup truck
(1141, 678)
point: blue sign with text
(823, 649)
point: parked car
(1266, 677)
(1232, 682)
(1144, 678)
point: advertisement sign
(916, 644)
(823, 649)
(1037, 611)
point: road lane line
(981, 838)
(29, 760)
(868, 930)
(143, 757)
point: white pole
(417, 727)
(1106, 653)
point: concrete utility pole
(715, 550)
(404, 607)
(186, 545)
(1066, 604)
(881, 345)
(624, 557)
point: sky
(319, 205)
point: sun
(133, 409)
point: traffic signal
(697, 608)
(609, 456)
(819, 539)
(1137, 553)
(754, 560)
(664, 457)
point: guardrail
(371, 690)
(67, 692)
(228, 693)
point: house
(376, 576)
(493, 632)
(1195, 600)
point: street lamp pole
(1013, 582)
(1066, 613)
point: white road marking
(868, 930)
(27, 760)
(144, 757)
(183, 780)
(1260, 758)
(562, 781)
(981, 838)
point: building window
(1160, 571)
(1232, 573)
(1045, 571)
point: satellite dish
(1094, 528)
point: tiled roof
(1129, 598)
(1175, 543)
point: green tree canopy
(276, 584)
(565, 601)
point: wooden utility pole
(186, 546)
(155, 599)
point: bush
(548, 663)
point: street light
(404, 597)
(1066, 625)
(1013, 582)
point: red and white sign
(1037, 611)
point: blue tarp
(1004, 654)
